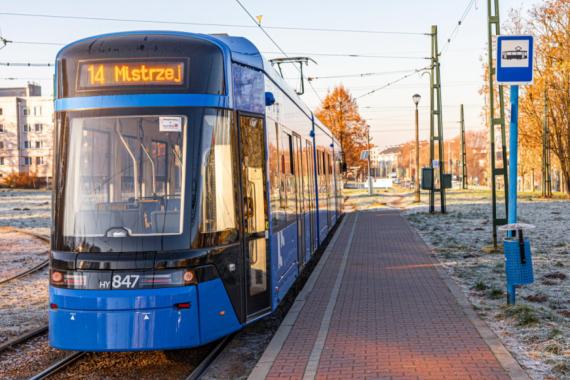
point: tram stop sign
(515, 59)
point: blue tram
(191, 189)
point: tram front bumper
(123, 320)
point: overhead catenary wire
(26, 64)
(357, 75)
(225, 25)
(455, 30)
(274, 43)
(316, 54)
(391, 83)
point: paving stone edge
(268, 357)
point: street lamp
(370, 189)
(416, 98)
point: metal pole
(493, 21)
(431, 124)
(417, 177)
(513, 154)
(546, 179)
(463, 153)
(369, 177)
(513, 161)
(437, 88)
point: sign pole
(513, 154)
(513, 180)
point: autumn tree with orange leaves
(339, 112)
(549, 23)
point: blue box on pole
(518, 262)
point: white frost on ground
(19, 251)
(23, 302)
(537, 329)
(26, 209)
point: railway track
(209, 359)
(23, 338)
(34, 269)
(59, 365)
(71, 358)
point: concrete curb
(504, 357)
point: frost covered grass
(537, 329)
(26, 209)
(23, 302)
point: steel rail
(209, 359)
(34, 269)
(59, 365)
(23, 338)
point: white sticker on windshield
(170, 124)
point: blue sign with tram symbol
(515, 59)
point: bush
(22, 181)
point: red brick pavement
(394, 317)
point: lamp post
(370, 190)
(416, 98)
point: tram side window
(288, 204)
(218, 208)
(277, 195)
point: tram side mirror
(269, 99)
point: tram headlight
(56, 278)
(189, 277)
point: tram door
(255, 222)
(299, 185)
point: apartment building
(26, 131)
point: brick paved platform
(376, 307)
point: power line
(409, 107)
(275, 43)
(317, 54)
(360, 75)
(352, 55)
(392, 82)
(24, 64)
(455, 30)
(174, 22)
(25, 78)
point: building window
(0, 111)
(39, 127)
(27, 144)
(27, 128)
(40, 160)
(26, 111)
(1, 144)
(1, 128)
(2, 161)
(39, 144)
(27, 161)
(38, 111)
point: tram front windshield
(125, 176)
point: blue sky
(391, 118)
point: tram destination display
(103, 74)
